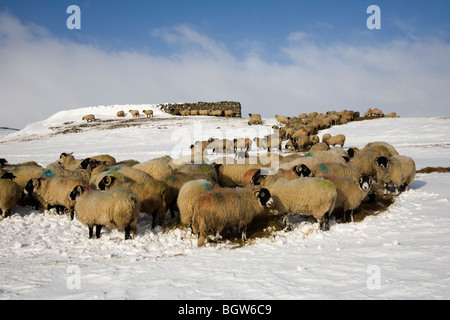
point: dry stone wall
(222, 108)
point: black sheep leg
(98, 228)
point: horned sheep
(228, 207)
(398, 171)
(117, 208)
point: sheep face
(365, 183)
(31, 185)
(302, 171)
(106, 182)
(3, 162)
(382, 162)
(265, 199)
(76, 192)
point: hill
(400, 253)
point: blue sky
(313, 55)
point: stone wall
(222, 108)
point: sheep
(202, 169)
(148, 113)
(221, 145)
(117, 208)
(54, 191)
(338, 169)
(25, 173)
(185, 112)
(306, 196)
(224, 207)
(365, 162)
(335, 140)
(229, 113)
(89, 118)
(254, 119)
(281, 119)
(217, 113)
(397, 170)
(231, 175)
(10, 192)
(242, 143)
(253, 176)
(68, 160)
(189, 192)
(129, 173)
(304, 142)
(392, 151)
(152, 195)
(194, 112)
(350, 192)
(330, 155)
(203, 112)
(120, 113)
(157, 169)
(134, 113)
(3, 162)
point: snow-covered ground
(402, 253)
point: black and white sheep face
(265, 198)
(382, 162)
(105, 182)
(76, 192)
(31, 185)
(302, 171)
(365, 183)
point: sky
(275, 57)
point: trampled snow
(401, 253)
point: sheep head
(106, 182)
(365, 183)
(264, 197)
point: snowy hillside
(401, 253)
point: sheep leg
(244, 233)
(154, 215)
(98, 228)
(91, 231)
(72, 213)
(286, 222)
(324, 223)
(127, 233)
(396, 190)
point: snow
(401, 253)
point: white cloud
(41, 75)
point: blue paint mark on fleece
(324, 168)
(48, 174)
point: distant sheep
(148, 113)
(398, 171)
(254, 119)
(134, 113)
(229, 113)
(116, 209)
(282, 119)
(121, 113)
(89, 118)
(225, 207)
(334, 140)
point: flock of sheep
(322, 181)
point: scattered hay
(434, 169)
